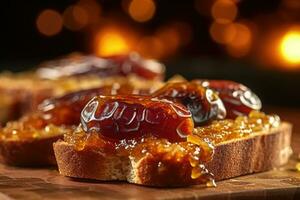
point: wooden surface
(18, 183)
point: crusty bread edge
(261, 152)
(28, 152)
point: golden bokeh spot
(241, 42)
(222, 33)
(242, 36)
(224, 11)
(290, 47)
(151, 47)
(49, 22)
(170, 38)
(184, 31)
(111, 42)
(141, 10)
(75, 17)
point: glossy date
(119, 65)
(66, 110)
(129, 117)
(203, 103)
(237, 98)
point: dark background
(23, 46)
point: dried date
(237, 98)
(129, 117)
(203, 103)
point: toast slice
(260, 151)
(28, 141)
(28, 152)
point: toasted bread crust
(31, 152)
(262, 152)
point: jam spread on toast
(57, 115)
(179, 123)
(119, 124)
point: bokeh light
(75, 17)
(141, 10)
(49, 22)
(170, 38)
(224, 11)
(222, 33)
(151, 47)
(290, 47)
(241, 42)
(184, 31)
(111, 41)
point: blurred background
(254, 42)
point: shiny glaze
(237, 98)
(127, 117)
(203, 103)
(119, 65)
(60, 112)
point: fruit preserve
(242, 126)
(57, 114)
(197, 149)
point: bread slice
(29, 152)
(259, 152)
(36, 148)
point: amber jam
(203, 103)
(37, 129)
(126, 117)
(57, 114)
(197, 149)
(242, 126)
(194, 150)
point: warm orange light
(184, 30)
(241, 42)
(49, 22)
(141, 10)
(170, 38)
(224, 11)
(290, 47)
(242, 35)
(151, 47)
(222, 33)
(75, 17)
(110, 42)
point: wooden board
(19, 183)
